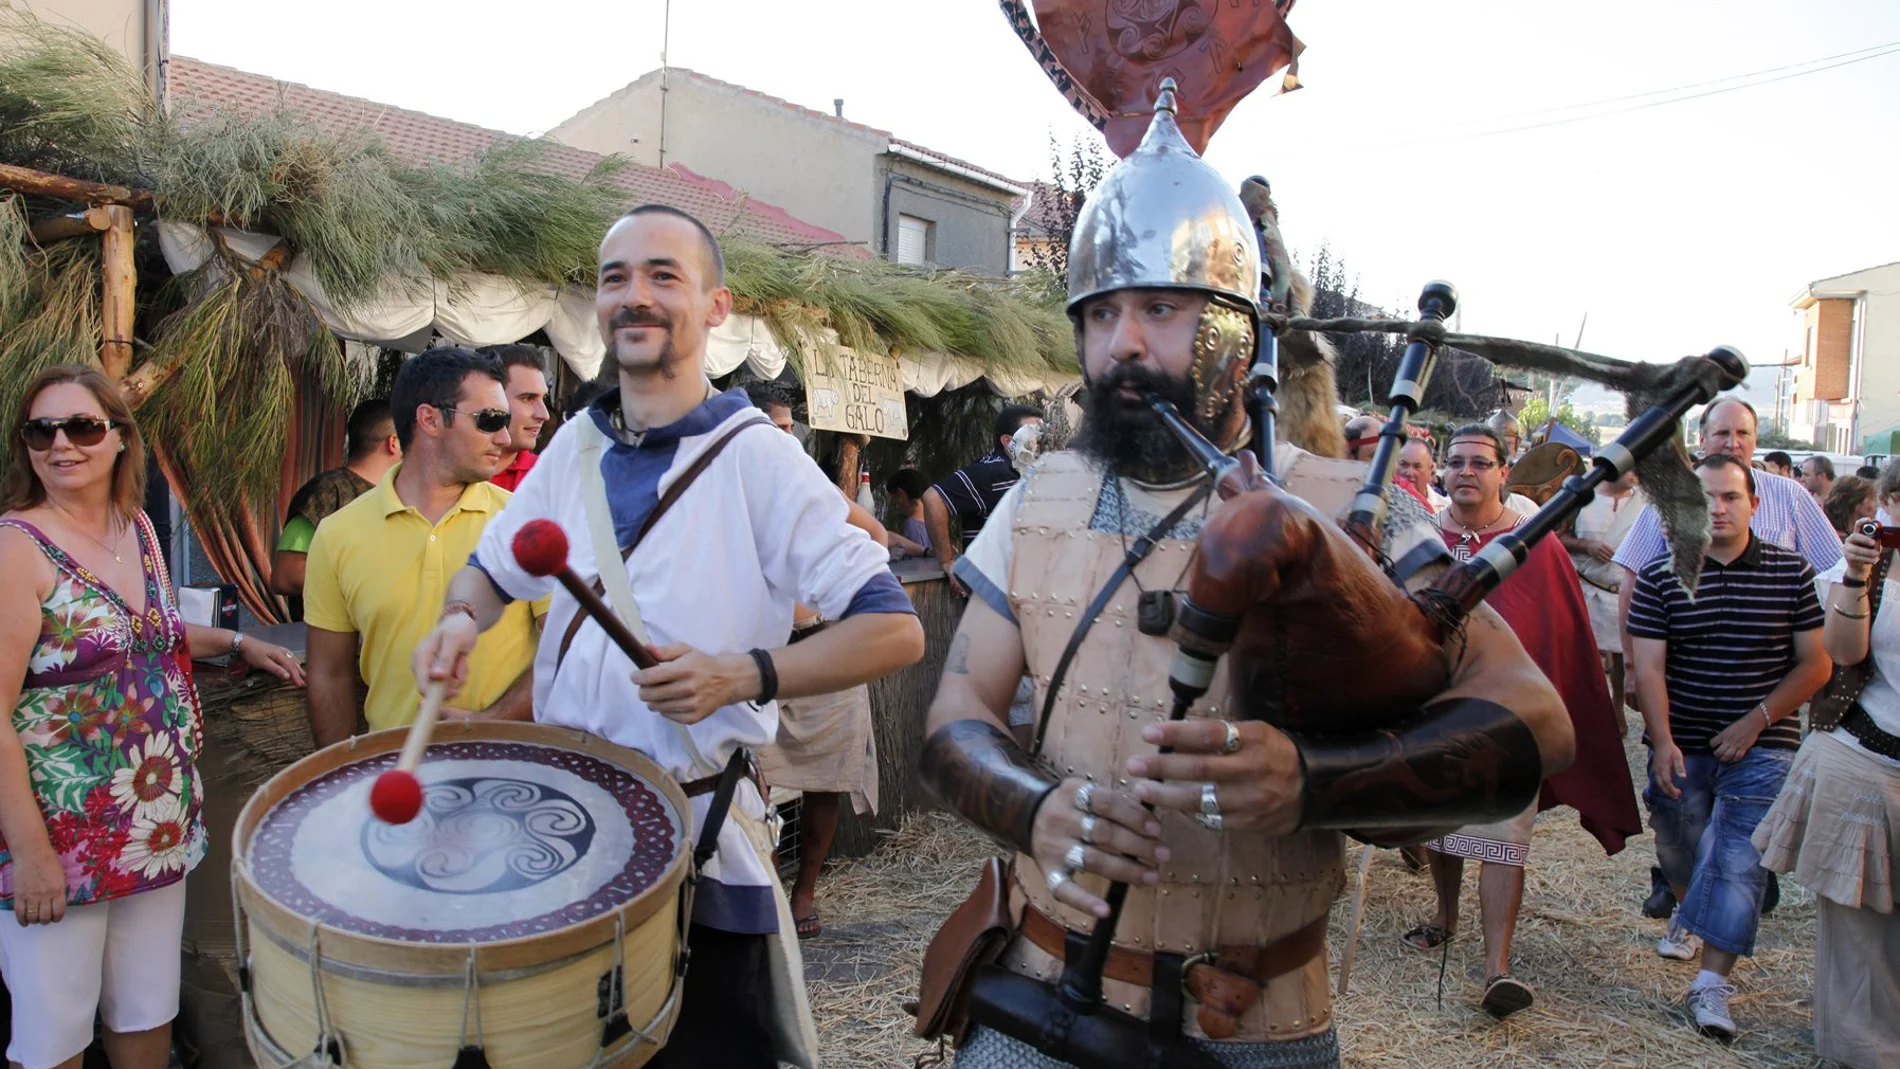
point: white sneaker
(1677, 944)
(1709, 1004)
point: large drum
(534, 910)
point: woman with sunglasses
(99, 790)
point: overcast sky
(1675, 227)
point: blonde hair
(20, 486)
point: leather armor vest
(1219, 889)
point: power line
(1887, 50)
(1698, 85)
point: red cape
(1543, 603)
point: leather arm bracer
(1456, 762)
(978, 771)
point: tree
(1461, 385)
(1058, 203)
(1536, 413)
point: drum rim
(397, 956)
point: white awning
(491, 310)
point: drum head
(515, 838)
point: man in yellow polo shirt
(379, 567)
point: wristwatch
(237, 642)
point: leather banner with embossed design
(1109, 57)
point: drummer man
(756, 530)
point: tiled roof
(421, 139)
(947, 158)
(800, 109)
(1042, 218)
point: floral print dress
(112, 732)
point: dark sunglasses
(487, 420)
(80, 430)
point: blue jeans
(1702, 841)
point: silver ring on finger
(1210, 806)
(1088, 829)
(1232, 745)
(1073, 859)
(1085, 798)
(1055, 878)
(1210, 821)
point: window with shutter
(913, 240)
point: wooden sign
(857, 393)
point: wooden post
(60, 227)
(119, 292)
(27, 180)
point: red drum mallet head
(396, 797)
(541, 547)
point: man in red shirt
(527, 408)
(1543, 602)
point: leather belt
(1226, 982)
(1860, 724)
(693, 788)
(800, 634)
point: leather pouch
(974, 935)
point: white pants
(119, 957)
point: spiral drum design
(542, 858)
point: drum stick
(396, 797)
(540, 548)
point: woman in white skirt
(1836, 825)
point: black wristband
(1851, 582)
(768, 677)
(978, 771)
(1462, 761)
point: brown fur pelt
(1309, 394)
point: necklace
(1469, 534)
(74, 520)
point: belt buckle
(1205, 957)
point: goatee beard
(663, 362)
(1126, 435)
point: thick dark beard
(1126, 435)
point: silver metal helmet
(1164, 218)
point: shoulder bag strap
(1136, 554)
(613, 582)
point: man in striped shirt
(1787, 516)
(1722, 679)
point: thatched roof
(432, 200)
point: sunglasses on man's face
(80, 430)
(487, 420)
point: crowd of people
(1737, 791)
(399, 565)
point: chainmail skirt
(988, 1049)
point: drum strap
(721, 804)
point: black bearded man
(1234, 869)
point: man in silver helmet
(1231, 843)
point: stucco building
(1847, 383)
(898, 199)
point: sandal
(807, 926)
(1426, 937)
(1504, 995)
